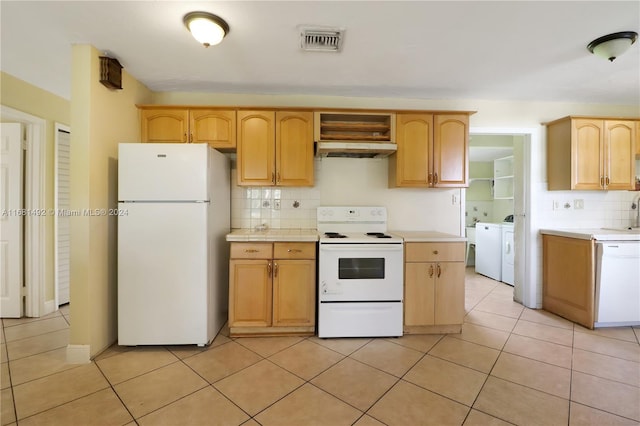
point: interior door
(11, 220)
(62, 201)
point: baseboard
(49, 306)
(78, 354)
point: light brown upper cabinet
(432, 151)
(591, 154)
(638, 137)
(275, 148)
(171, 125)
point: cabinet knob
(435, 252)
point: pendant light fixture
(613, 45)
(205, 27)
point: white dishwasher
(617, 283)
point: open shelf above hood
(354, 134)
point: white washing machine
(489, 249)
(507, 253)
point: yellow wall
(100, 119)
(22, 96)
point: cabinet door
(164, 125)
(256, 148)
(619, 137)
(250, 293)
(410, 165)
(419, 294)
(449, 293)
(294, 148)
(587, 154)
(215, 127)
(294, 293)
(637, 139)
(450, 150)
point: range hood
(352, 149)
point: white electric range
(360, 273)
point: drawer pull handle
(269, 268)
(439, 270)
(250, 251)
(294, 251)
(275, 270)
(430, 271)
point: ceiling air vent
(321, 39)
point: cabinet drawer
(251, 250)
(434, 252)
(294, 250)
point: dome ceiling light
(613, 45)
(205, 27)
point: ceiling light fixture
(613, 45)
(205, 27)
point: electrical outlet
(578, 204)
(276, 204)
(562, 205)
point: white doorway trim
(531, 292)
(34, 198)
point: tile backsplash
(586, 209)
(273, 207)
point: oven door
(360, 272)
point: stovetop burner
(378, 235)
(334, 235)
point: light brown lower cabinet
(568, 278)
(272, 288)
(434, 287)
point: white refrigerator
(174, 214)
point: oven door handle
(362, 247)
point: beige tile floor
(510, 365)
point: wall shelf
(503, 178)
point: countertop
(602, 234)
(311, 235)
(305, 235)
(428, 236)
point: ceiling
(505, 50)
